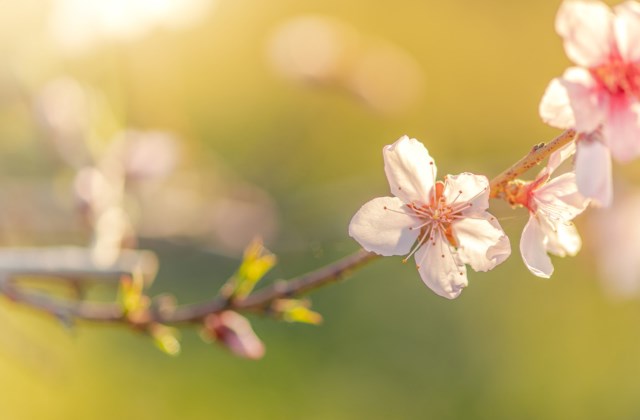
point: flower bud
(234, 331)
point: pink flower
(552, 204)
(603, 92)
(448, 220)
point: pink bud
(234, 331)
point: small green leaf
(131, 295)
(257, 261)
(295, 310)
(165, 338)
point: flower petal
(382, 226)
(410, 170)
(562, 237)
(440, 267)
(572, 101)
(532, 249)
(622, 128)
(559, 156)
(593, 171)
(586, 29)
(481, 242)
(466, 188)
(559, 199)
(627, 30)
(555, 106)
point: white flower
(552, 204)
(448, 220)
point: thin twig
(537, 154)
(281, 289)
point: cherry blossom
(552, 204)
(445, 225)
(601, 93)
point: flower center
(519, 193)
(438, 212)
(436, 218)
(618, 77)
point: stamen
(433, 176)
(460, 207)
(445, 242)
(394, 210)
(468, 203)
(421, 226)
(422, 211)
(426, 251)
(456, 199)
(420, 243)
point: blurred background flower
(326, 52)
(76, 25)
(616, 243)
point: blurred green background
(465, 77)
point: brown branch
(281, 289)
(65, 309)
(533, 158)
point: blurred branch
(115, 313)
(75, 263)
(71, 265)
(61, 308)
